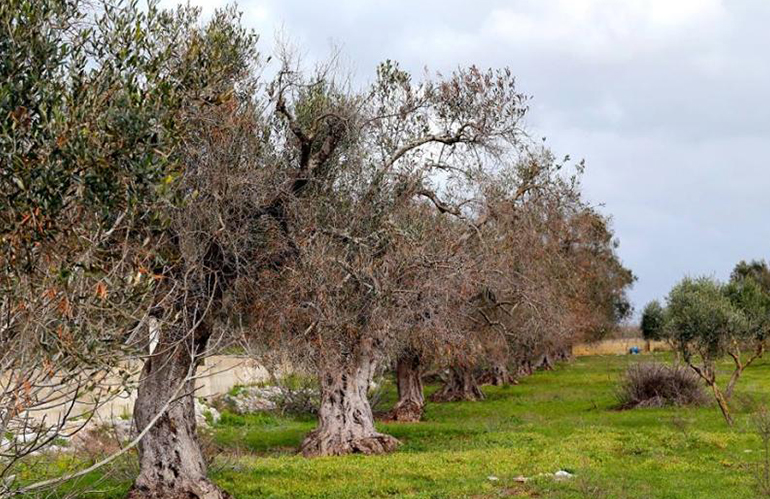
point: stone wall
(218, 374)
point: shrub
(658, 385)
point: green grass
(564, 419)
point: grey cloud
(666, 101)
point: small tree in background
(652, 321)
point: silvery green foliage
(95, 98)
(700, 318)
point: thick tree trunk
(497, 375)
(345, 420)
(460, 385)
(411, 401)
(564, 355)
(544, 362)
(171, 462)
(525, 369)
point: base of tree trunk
(408, 411)
(461, 385)
(199, 490)
(564, 355)
(171, 463)
(318, 444)
(411, 401)
(544, 362)
(525, 369)
(497, 376)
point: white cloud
(603, 30)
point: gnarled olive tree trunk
(171, 462)
(461, 384)
(497, 375)
(345, 420)
(544, 362)
(524, 369)
(411, 400)
(564, 355)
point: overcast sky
(666, 100)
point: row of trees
(706, 321)
(157, 189)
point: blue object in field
(634, 350)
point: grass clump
(653, 384)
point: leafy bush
(658, 385)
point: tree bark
(731, 384)
(345, 420)
(722, 404)
(497, 375)
(564, 355)
(544, 362)
(740, 367)
(171, 462)
(525, 369)
(708, 374)
(460, 385)
(411, 400)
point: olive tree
(652, 321)
(554, 276)
(85, 142)
(753, 300)
(364, 161)
(210, 241)
(119, 115)
(704, 326)
(755, 269)
(435, 311)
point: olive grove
(157, 188)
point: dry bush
(300, 394)
(658, 385)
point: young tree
(704, 325)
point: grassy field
(559, 420)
